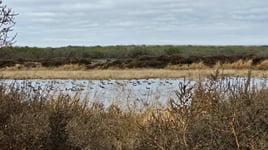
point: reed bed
(81, 71)
(97, 74)
(206, 115)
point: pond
(108, 91)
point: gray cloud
(109, 22)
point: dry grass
(263, 65)
(240, 64)
(65, 67)
(192, 66)
(75, 71)
(211, 115)
(70, 67)
(122, 74)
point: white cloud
(140, 21)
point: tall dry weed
(199, 65)
(263, 65)
(240, 64)
(214, 113)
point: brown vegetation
(210, 115)
(96, 74)
(156, 62)
(263, 65)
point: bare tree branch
(7, 22)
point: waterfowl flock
(108, 90)
(103, 89)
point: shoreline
(118, 74)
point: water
(108, 91)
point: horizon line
(111, 45)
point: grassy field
(211, 115)
(123, 74)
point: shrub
(211, 114)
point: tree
(7, 22)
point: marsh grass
(240, 64)
(237, 65)
(192, 66)
(208, 115)
(97, 74)
(263, 65)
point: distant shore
(97, 74)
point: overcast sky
(56, 23)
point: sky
(55, 23)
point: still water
(108, 91)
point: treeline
(134, 56)
(126, 52)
